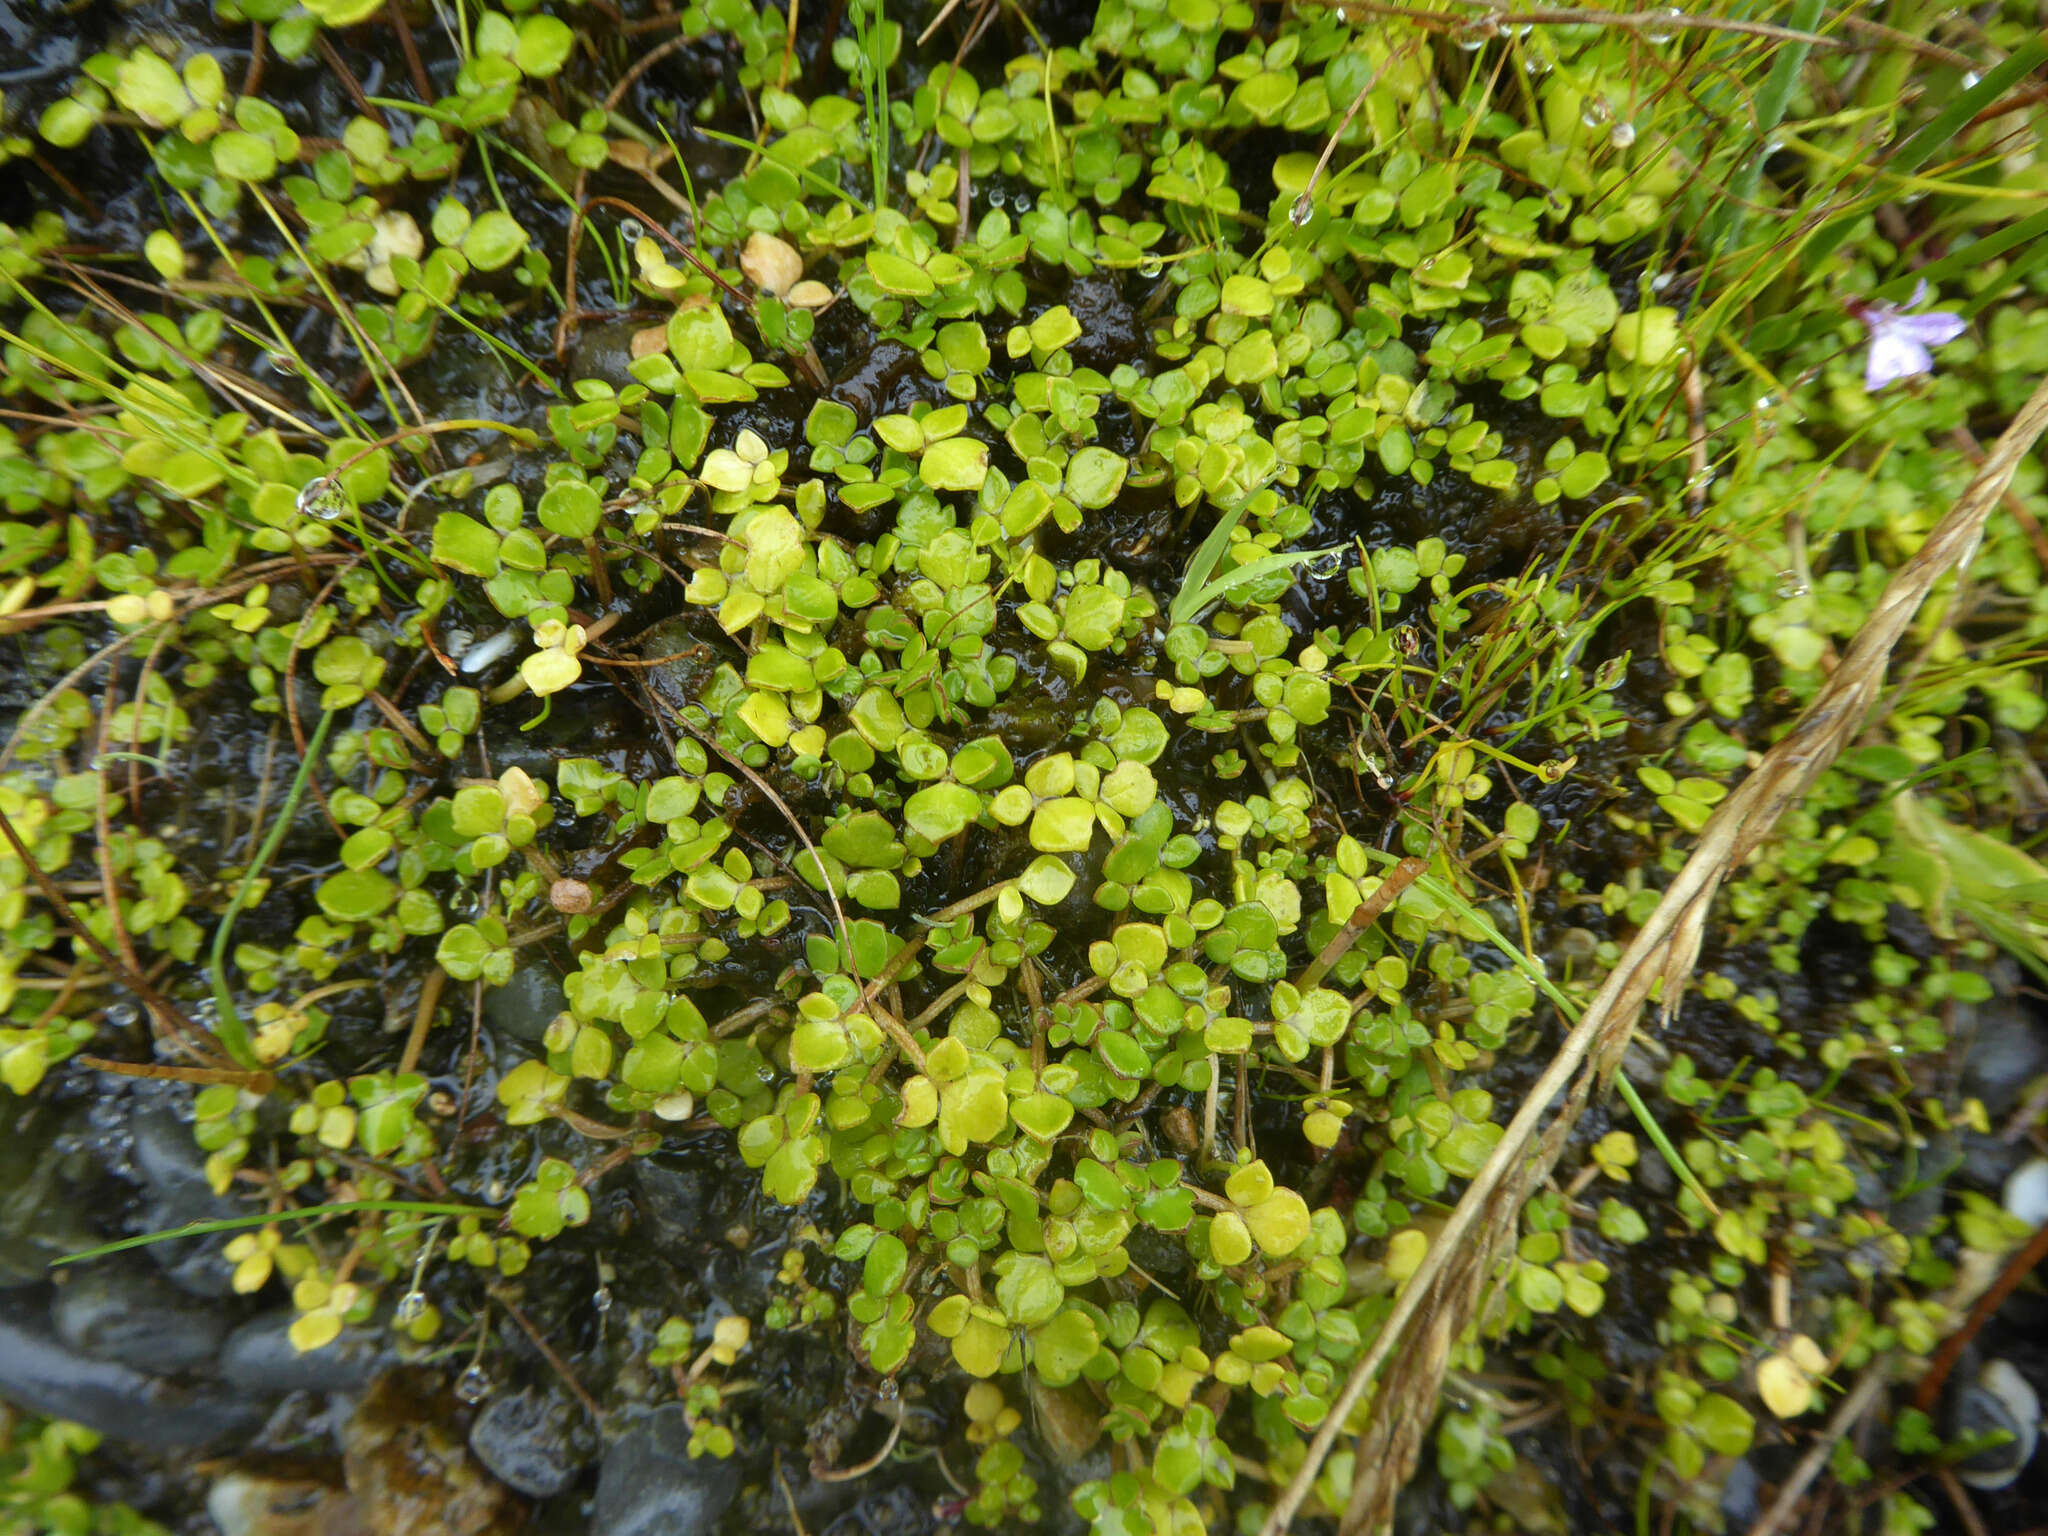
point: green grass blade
(1443, 892)
(228, 1027)
(242, 1223)
(1188, 601)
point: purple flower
(1901, 343)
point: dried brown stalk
(1443, 1297)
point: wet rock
(1069, 1422)
(651, 1487)
(242, 1504)
(685, 660)
(2026, 1191)
(38, 1222)
(2000, 1399)
(672, 1199)
(41, 1372)
(126, 1315)
(1742, 1494)
(526, 1005)
(260, 1357)
(532, 1441)
(895, 1511)
(174, 1170)
(2008, 1044)
(411, 1473)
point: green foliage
(1108, 876)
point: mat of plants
(837, 768)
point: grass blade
(241, 1223)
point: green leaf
(957, 464)
(244, 157)
(494, 240)
(938, 811)
(1095, 476)
(464, 544)
(570, 507)
(543, 47)
(894, 275)
(1065, 825)
(356, 895)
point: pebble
(1999, 1399)
(651, 1487)
(242, 1504)
(260, 1357)
(411, 1473)
(672, 1202)
(531, 1441)
(128, 1316)
(526, 1005)
(173, 1168)
(2026, 1191)
(40, 1372)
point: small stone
(651, 1487)
(571, 896)
(1999, 1399)
(260, 1357)
(39, 1372)
(1069, 1423)
(526, 1005)
(531, 1441)
(810, 294)
(410, 1471)
(772, 263)
(117, 1314)
(245, 1505)
(2026, 1191)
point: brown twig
(2016, 1269)
(1363, 916)
(422, 1019)
(418, 70)
(130, 978)
(547, 1351)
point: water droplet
(1623, 134)
(1021, 202)
(1970, 78)
(1660, 282)
(1766, 403)
(1535, 62)
(1303, 210)
(1474, 36)
(1661, 26)
(1594, 112)
(1790, 586)
(412, 1306)
(601, 1298)
(996, 199)
(283, 362)
(631, 230)
(1151, 269)
(122, 1015)
(325, 499)
(464, 902)
(473, 1385)
(1340, 13)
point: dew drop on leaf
(325, 499)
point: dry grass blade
(1444, 1294)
